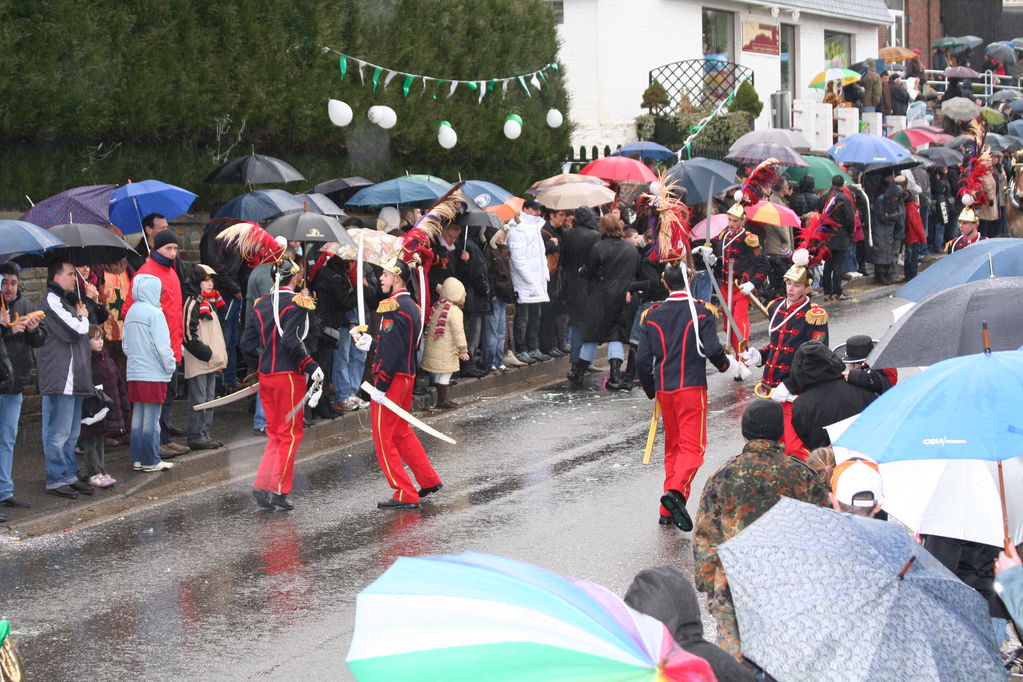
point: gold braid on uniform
(303, 301)
(713, 309)
(817, 316)
(388, 305)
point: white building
(610, 46)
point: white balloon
(387, 118)
(554, 118)
(447, 137)
(373, 114)
(340, 113)
(512, 129)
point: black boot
(630, 370)
(614, 382)
(578, 372)
(442, 398)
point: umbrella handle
(1006, 542)
(905, 569)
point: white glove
(317, 375)
(781, 393)
(751, 356)
(746, 288)
(98, 417)
(363, 342)
(314, 399)
(738, 369)
(707, 254)
(376, 395)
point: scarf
(444, 305)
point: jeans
(527, 327)
(575, 342)
(913, 254)
(230, 325)
(168, 406)
(259, 417)
(494, 332)
(701, 287)
(349, 364)
(10, 412)
(615, 351)
(145, 433)
(200, 389)
(62, 422)
(834, 268)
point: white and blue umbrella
(864, 148)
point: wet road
(207, 587)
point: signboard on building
(1012, 4)
(761, 38)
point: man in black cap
(738, 494)
(858, 373)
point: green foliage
(645, 125)
(747, 99)
(719, 131)
(655, 96)
(106, 90)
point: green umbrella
(821, 168)
(992, 116)
(948, 41)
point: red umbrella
(618, 169)
(914, 137)
(771, 213)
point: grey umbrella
(1001, 51)
(824, 595)
(789, 138)
(942, 156)
(320, 203)
(1003, 96)
(305, 226)
(948, 324)
(960, 109)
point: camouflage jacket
(739, 493)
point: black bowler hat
(856, 348)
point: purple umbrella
(86, 204)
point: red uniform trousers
(280, 392)
(684, 413)
(740, 313)
(793, 443)
(396, 444)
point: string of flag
(382, 75)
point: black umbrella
(942, 156)
(474, 216)
(340, 190)
(84, 244)
(305, 226)
(254, 169)
(948, 324)
(889, 167)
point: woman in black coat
(575, 254)
(610, 269)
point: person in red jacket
(160, 264)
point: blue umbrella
(88, 204)
(986, 258)
(260, 204)
(404, 190)
(1016, 127)
(130, 203)
(645, 150)
(17, 236)
(865, 148)
(485, 193)
(1016, 106)
(965, 407)
(702, 178)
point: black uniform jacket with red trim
(668, 358)
(398, 339)
(961, 242)
(790, 327)
(749, 262)
(276, 351)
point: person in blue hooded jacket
(147, 345)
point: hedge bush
(106, 91)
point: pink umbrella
(618, 169)
(771, 213)
(718, 224)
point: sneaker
(492, 369)
(350, 404)
(97, 481)
(502, 368)
(108, 480)
(525, 358)
(539, 356)
(159, 466)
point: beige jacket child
(445, 333)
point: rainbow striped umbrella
(486, 618)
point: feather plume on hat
(667, 221)
(975, 167)
(814, 235)
(253, 243)
(428, 229)
(760, 183)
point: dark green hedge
(106, 90)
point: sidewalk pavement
(243, 447)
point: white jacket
(528, 260)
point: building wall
(608, 48)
